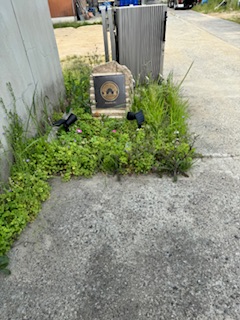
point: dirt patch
(83, 41)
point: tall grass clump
(76, 78)
(76, 73)
(166, 114)
(165, 110)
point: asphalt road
(147, 248)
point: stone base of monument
(111, 90)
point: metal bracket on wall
(164, 26)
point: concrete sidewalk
(145, 247)
(213, 83)
(227, 31)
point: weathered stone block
(104, 95)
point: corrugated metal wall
(61, 8)
(140, 39)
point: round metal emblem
(109, 91)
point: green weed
(166, 126)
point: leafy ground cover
(110, 146)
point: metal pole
(112, 35)
(104, 27)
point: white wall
(28, 58)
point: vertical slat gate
(140, 39)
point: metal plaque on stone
(110, 91)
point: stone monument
(111, 90)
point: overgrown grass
(112, 146)
(211, 6)
(75, 64)
(75, 24)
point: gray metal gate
(137, 38)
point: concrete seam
(219, 156)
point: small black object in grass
(66, 122)
(131, 116)
(139, 116)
